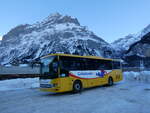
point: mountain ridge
(55, 34)
(123, 44)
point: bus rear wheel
(77, 86)
(110, 81)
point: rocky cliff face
(55, 34)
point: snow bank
(143, 76)
(14, 84)
(24, 83)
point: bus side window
(109, 65)
(102, 65)
(105, 64)
(64, 72)
(116, 65)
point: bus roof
(70, 55)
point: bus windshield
(49, 66)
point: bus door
(64, 68)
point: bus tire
(110, 81)
(77, 86)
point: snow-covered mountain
(140, 48)
(124, 44)
(138, 53)
(134, 48)
(55, 34)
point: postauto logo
(101, 73)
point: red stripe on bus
(70, 74)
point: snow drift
(15, 84)
(143, 76)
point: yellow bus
(65, 72)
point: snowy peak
(123, 44)
(144, 31)
(140, 48)
(55, 34)
(57, 18)
(139, 51)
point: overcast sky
(109, 19)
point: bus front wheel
(77, 86)
(110, 81)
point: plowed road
(120, 98)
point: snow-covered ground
(128, 96)
(20, 83)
